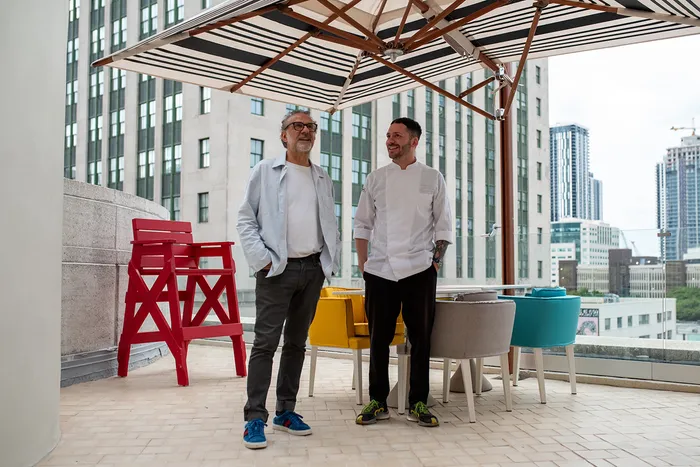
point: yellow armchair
(340, 322)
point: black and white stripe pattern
(315, 74)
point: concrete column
(32, 92)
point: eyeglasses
(299, 126)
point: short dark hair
(412, 126)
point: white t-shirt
(304, 236)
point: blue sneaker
(254, 434)
(291, 423)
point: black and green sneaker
(372, 412)
(419, 413)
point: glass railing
(635, 303)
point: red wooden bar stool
(165, 249)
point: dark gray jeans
(292, 297)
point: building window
(490, 178)
(117, 125)
(172, 147)
(332, 159)
(539, 139)
(644, 337)
(396, 106)
(256, 151)
(410, 99)
(669, 334)
(659, 317)
(668, 316)
(539, 269)
(203, 207)
(257, 106)
(619, 322)
(204, 100)
(538, 74)
(630, 321)
(539, 235)
(204, 153)
(539, 204)
(429, 127)
(538, 102)
(607, 324)
(149, 18)
(118, 12)
(146, 156)
(660, 335)
(206, 4)
(539, 171)
(175, 12)
(643, 319)
(361, 161)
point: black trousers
(414, 296)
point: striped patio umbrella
(331, 54)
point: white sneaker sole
(255, 445)
(292, 432)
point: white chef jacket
(402, 213)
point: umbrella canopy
(330, 54)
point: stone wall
(96, 251)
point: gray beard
(303, 146)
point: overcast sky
(629, 98)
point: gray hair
(289, 115)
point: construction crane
(634, 247)
(692, 127)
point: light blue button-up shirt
(262, 218)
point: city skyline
(629, 120)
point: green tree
(584, 292)
(687, 303)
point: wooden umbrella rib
(588, 6)
(399, 31)
(298, 42)
(457, 24)
(375, 21)
(526, 51)
(476, 87)
(433, 22)
(324, 26)
(271, 62)
(366, 47)
(430, 85)
(243, 17)
(369, 34)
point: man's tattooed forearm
(439, 250)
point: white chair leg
(516, 365)
(446, 373)
(354, 377)
(358, 375)
(572, 367)
(312, 374)
(467, 380)
(402, 384)
(479, 375)
(506, 382)
(539, 364)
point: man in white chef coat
(404, 212)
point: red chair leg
(123, 354)
(183, 378)
(239, 356)
(235, 317)
(124, 349)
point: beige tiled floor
(146, 419)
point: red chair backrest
(158, 230)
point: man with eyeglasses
(288, 230)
